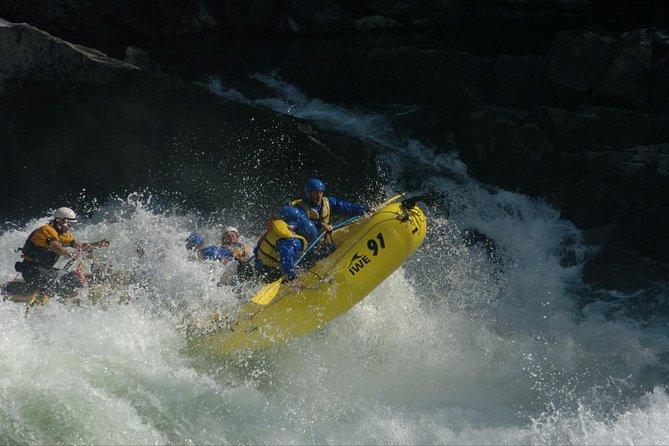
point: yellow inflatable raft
(19, 291)
(367, 252)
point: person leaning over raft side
(44, 247)
(279, 248)
(231, 249)
(318, 207)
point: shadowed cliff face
(75, 120)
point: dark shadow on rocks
(616, 268)
(100, 125)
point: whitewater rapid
(487, 335)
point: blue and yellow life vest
(36, 249)
(312, 213)
(268, 253)
(238, 250)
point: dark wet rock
(638, 75)
(575, 63)
(645, 231)
(263, 14)
(420, 13)
(532, 15)
(108, 23)
(402, 75)
(434, 129)
(140, 58)
(320, 15)
(75, 120)
(518, 79)
(624, 270)
(627, 183)
(37, 55)
(103, 21)
(551, 120)
(617, 128)
(501, 147)
(376, 22)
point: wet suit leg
(265, 273)
(51, 280)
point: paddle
(306, 251)
(72, 260)
(269, 291)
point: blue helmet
(307, 229)
(194, 239)
(290, 214)
(312, 185)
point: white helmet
(65, 213)
(230, 229)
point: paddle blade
(390, 200)
(267, 293)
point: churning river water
(486, 335)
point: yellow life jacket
(36, 249)
(322, 217)
(268, 253)
(238, 251)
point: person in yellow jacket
(45, 245)
(279, 248)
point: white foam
(479, 341)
